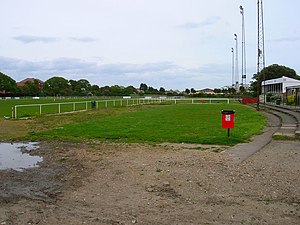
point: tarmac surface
(243, 151)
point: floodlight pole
(260, 51)
(236, 62)
(232, 51)
(244, 71)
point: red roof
(22, 83)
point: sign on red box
(228, 119)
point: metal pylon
(260, 46)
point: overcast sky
(175, 44)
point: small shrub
(291, 99)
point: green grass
(30, 111)
(6, 105)
(284, 138)
(163, 123)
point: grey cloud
(26, 39)
(71, 66)
(193, 25)
(83, 39)
(137, 68)
(166, 74)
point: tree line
(59, 86)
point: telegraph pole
(260, 50)
(244, 70)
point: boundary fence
(19, 111)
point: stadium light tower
(236, 63)
(260, 49)
(244, 70)
(232, 52)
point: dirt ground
(97, 183)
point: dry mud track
(164, 184)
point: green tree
(217, 90)
(242, 89)
(31, 88)
(143, 87)
(56, 86)
(130, 90)
(152, 90)
(73, 84)
(162, 90)
(105, 91)
(83, 87)
(231, 90)
(95, 89)
(7, 84)
(116, 90)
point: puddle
(16, 156)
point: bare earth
(96, 183)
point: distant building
(278, 85)
(280, 88)
(206, 91)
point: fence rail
(19, 111)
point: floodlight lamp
(242, 9)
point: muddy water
(15, 156)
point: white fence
(68, 107)
(201, 100)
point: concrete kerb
(243, 151)
(297, 133)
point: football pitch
(182, 123)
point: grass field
(20, 108)
(156, 124)
(67, 105)
(6, 105)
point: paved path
(244, 150)
(292, 111)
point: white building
(278, 85)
